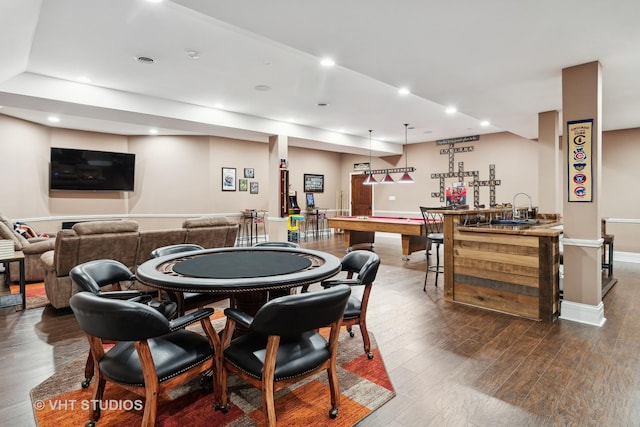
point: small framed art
(243, 184)
(249, 173)
(228, 179)
(253, 187)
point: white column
(582, 284)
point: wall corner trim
(583, 313)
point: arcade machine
(293, 228)
(293, 207)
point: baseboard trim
(582, 313)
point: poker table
(361, 230)
(247, 274)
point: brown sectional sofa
(122, 241)
(32, 248)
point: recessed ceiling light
(451, 110)
(484, 123)
(403, 91)
(153, 131)
(84, 79)
(53, 119)
(193, 54)
(327, 62)
(262, 88)
(145, 59)
(219, 106)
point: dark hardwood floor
(451, 365)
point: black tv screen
(89, 170)
(311, 203)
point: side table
(13, 300)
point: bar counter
(513, 269)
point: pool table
(359, 230)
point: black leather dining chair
(433, 225)
(97, 275)
(282, 345)
(154, 356)
(187, 300)
(361, 267)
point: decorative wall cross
(460, 174)
(491, 183)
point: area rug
(36, 295)
(364, 386)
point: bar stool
(259, 219)
(302, 227)
(246, 224)
(310, 221)
(433, 225)
(323, 223)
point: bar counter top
(543, 228)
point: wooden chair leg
(268, 404)
(223, 404)
(88, 371)
(98, 393)
(150, 405)
(334, 388)
(365, 338)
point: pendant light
(406, 178)
(370, 180)
(387, 179)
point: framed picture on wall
(313, 183)
(228, 179)
(243, 184)
(253, 187)
(249, 173)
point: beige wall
(178, 176)
(516, 176)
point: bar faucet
(515, 213)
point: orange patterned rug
(36, 295)
(364, 386)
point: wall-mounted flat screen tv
(89, 170)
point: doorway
(361, 196)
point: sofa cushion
(208, 232)
(208, 221)
(121, 247)
(10, 225)
(38, 246)
(101, 227)
(154, 239)
(66, 252)
(7, 233)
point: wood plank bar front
(511, 269)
